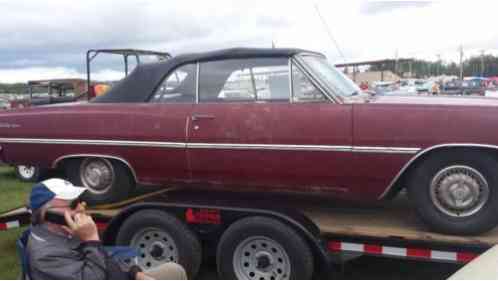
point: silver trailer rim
(26, 172)
(261, 258)
(97, 175)
(155, 247)
(459, 191)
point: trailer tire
(456, 192)
(171, 239)
(263, 248)
(121, 182)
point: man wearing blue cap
(74, 250)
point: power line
(327, 29)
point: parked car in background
(425, 87)
(269, 120)
(53, 91)
(4, 104)
(452, 88)
(474, 86)
(383, 87)
(408, 87)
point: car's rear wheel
(456, 193)
(107, 180)
(27, 173)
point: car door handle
(196, 117)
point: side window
(261, 79)
(304, 90)
(178, 87)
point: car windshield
(331, 77)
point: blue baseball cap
(45, 191)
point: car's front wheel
(456, 193)
(107, 180)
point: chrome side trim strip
(97, 142)
(378, 149)
(270, 147)
(56, 161)
(426, 150)
(237, 146)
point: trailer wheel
(161, 238)
(28, 173)
(455, 193)
(107, 180)
(261, 248)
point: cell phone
(55, 218)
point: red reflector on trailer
(334, 246)
(418, 253)
(465, 257)
(373, 249)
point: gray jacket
(54, 256)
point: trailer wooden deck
(394, 220)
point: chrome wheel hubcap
(155, 247)
(26, 172)
(459, 191)
(261, 258)
(97, 175)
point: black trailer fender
(210, 222)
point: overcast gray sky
(48, 39)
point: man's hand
(82, 226)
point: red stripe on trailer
(465, 257)
(334, 246)
(418, 253)
(373, 249)
(428, 254)
(3, 226)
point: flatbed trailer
(330, 230)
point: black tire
(483, 220)
(295, 246)
(122, 185)
(188, 246)
(35, 177)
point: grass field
(13, 194)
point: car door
(245, 132)
(164, 120)
(320, 132)
(232, 124)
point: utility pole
(438, 67)
(482, 63)
(396, 63)
(461, 62)
(411, 69)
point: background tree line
(486, 65)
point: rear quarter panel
(135, 122)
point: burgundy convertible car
(281, 120)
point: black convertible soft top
(140, 84)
